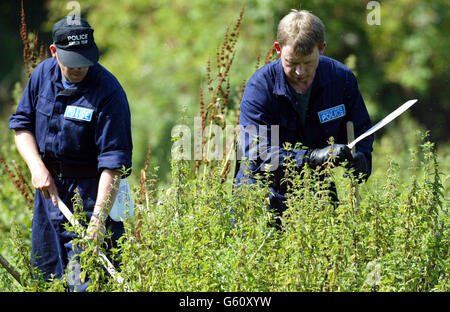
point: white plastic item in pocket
(123, 205)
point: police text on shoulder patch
(78, 113)
(332, 113)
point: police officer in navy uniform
(305, 97)
(73, 129)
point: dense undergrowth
(201, 235)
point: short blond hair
(302, 30)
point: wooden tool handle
(351, 135)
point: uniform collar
(321, 79)
(82, 87)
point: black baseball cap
(74, 41)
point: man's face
(299, 69)
(70, 74)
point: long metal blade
(383, 122)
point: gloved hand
(336, 153)
(359, 165)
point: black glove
(336, 153)
(358, 165)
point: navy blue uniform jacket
(87, 125)
(268, 101)
(102, 138)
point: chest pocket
(77, 136)
(332, 121)
(44, 110)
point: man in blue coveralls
(304, 97)
(73, 129)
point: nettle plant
(202, 236)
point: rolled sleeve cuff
(115, 160)
(16, 123)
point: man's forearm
(107, 191)
(40, 176)
(106, 195)
(27, 147)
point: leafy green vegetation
(199, 235)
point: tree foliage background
(159, 50)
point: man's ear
(322, 50)
(53, 50)
(277, 46)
